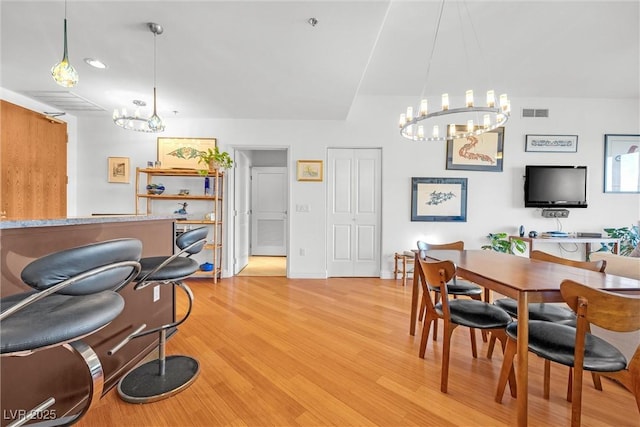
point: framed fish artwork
(182, 153)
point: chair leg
(474, 345)
(395, 266)
(423, 308)
(404, 271)
(501, 336)
(597, 384)
(446, 353)
(425, 332)
(547, 379)
(507, 369)
(570, 385)
(576, 402)
(436, 300)
(492, 344)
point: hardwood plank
(276, 351)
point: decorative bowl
(155, 189)
(207, 266)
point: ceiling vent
(64, 100)
(535, 112)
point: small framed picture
(309, 170)
(118, 170)
(477, 153)
(551, 143)
(439, 199)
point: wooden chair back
(598, 266)
(608, 310)
(436, 274)
(424, 246)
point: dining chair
(471, 313)
(550, 313)
(576, 347)
(456, 287)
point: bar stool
(165, 376)
(74, 295)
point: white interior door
(242, 175)
(268, 211)
(354, 187)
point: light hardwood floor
(281, 352)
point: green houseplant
(500, 242)
(214, 159)
(629, 239)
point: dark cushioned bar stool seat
(74, 296)
(165, 376)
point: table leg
(522, 368)
(414, 296)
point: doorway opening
(260, 212)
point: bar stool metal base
(144, 384)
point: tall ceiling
(263, 60)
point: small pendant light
(63, 72)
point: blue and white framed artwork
(439, 199)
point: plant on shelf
(214, 159)
(500, 242)
(629, 239)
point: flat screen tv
(555, 187)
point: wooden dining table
(525, 280)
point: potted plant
(629, 239)
(214, 159)
(500, 243)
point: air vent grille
(64, 100)
(535, 112)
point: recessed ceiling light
(96, 63)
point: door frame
(229, 227)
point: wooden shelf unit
(213, 248)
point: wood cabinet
(203, 207)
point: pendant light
(63, 72)
(155, 122)
(138, 122)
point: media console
(587, 241)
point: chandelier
(452, 123)
(63, 72)
(136, 121)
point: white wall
(494, 198)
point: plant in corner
(214, 159)
(629, 239)
(500, 242)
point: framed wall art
(182, 153)
(621, 163)
(439, 199)
(477, 153)
(118, 170)
(309, 170)
(551, 143)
